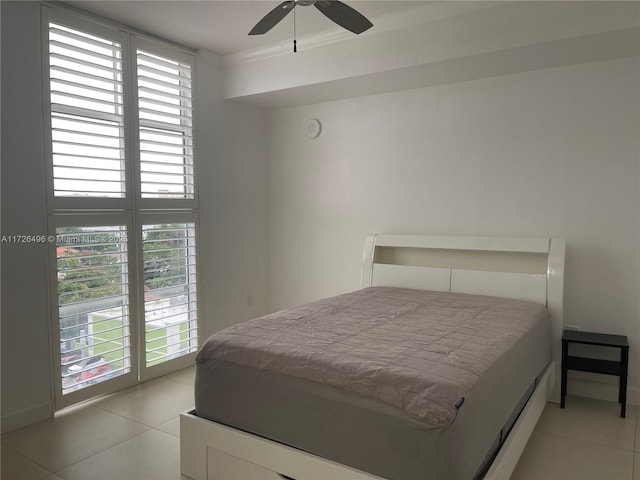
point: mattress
(399, 383)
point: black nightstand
(608, 367)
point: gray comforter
(419, 351)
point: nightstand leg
(563, 383)
(624, 359)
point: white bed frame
(525, 269)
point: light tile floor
(134, 435)
(587, 440)
(131, 435)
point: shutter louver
(165, 127)
(87, 117)
(170, 291)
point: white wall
(26, 358)
(233, 214)
(552, 152)
(233, 201)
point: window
(122, 202)
(87, 114)
(93, 304)
(165, 128)
(170, 291)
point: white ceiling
(222, 26)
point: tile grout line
(148, 427)
(587, 441)
(633, 411)
(97, 453)
(635, 468)
(105, 450)
(123, 393)
(35, 462)
(55, 472)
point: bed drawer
(222, 466)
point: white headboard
(520, 268)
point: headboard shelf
(488, 260)
(496, 244)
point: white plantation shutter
(87, 114)
(165, 115)
(170, 291)
(93, 304)
(121, 205)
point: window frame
(184, 361)
(122, 381)
(130, 41)
(138, 42)
(72, 20)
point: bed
(446, 360)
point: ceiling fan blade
(344, 15)
(272, 18)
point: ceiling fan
(338, 12)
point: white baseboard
(22, 418)
(602, 390)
